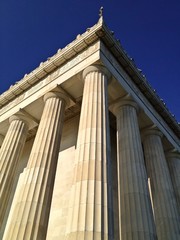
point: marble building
(88, 149)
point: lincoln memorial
(88, 150)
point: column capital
(96, 68)
(151, 131)
(60, 95)
(121, 103)
(172, 154)
(22, 118)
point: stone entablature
(98, 32)
(49, 82)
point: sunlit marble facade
(88, 150)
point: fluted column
(136, 217)
(10, 152)
(31, 204)
(173, 159)
(1, 140)
(91, 208)
(164, 202)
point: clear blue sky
(33, 30)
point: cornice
(63, 55)
(139, 79)
(98, 32)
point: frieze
(51, 77)
(80, 57)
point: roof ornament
(101, 15)
(100, 21)
(101, 12)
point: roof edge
(102, 32)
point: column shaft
(164, 202)
(1, 140)
(91, 210)
(10, 152)
(31, 204)
(136, 217)
(174, 167)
